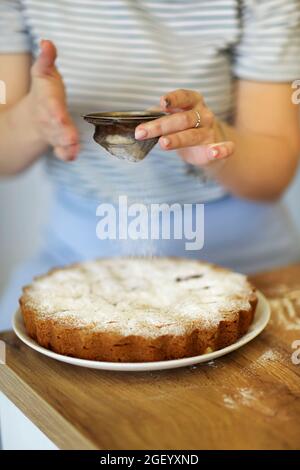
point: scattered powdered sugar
(212, 364)
(244, 396)
(284, 309)
(229, 402)
(151, 297)
(266, 402)
(285, 305)
(247, 396)
(283, 290)
(271, 355)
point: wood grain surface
(249, 399)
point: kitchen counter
(248, 399)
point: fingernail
(213, 153)
(140, 134)
(166, 102)
(165, 141)
(72, 157)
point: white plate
(262, 316)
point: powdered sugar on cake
(149, 297)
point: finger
(66, 153)
(64, 131)
(154, 109)
(58, 135)
(175, 123)
(206, 154)
(45, 62)
(181, 99)
(56, 108)
(63, 136)
(187, 138)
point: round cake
(138, 309)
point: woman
(222, 71)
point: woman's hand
(52, 121)
(190, 128)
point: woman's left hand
(191, 128)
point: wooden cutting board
(249, 399)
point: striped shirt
(125, 54)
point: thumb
(45, 63)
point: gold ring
(198, 122)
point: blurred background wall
(23, 208)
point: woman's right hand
(48, 100)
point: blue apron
(242, 235)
